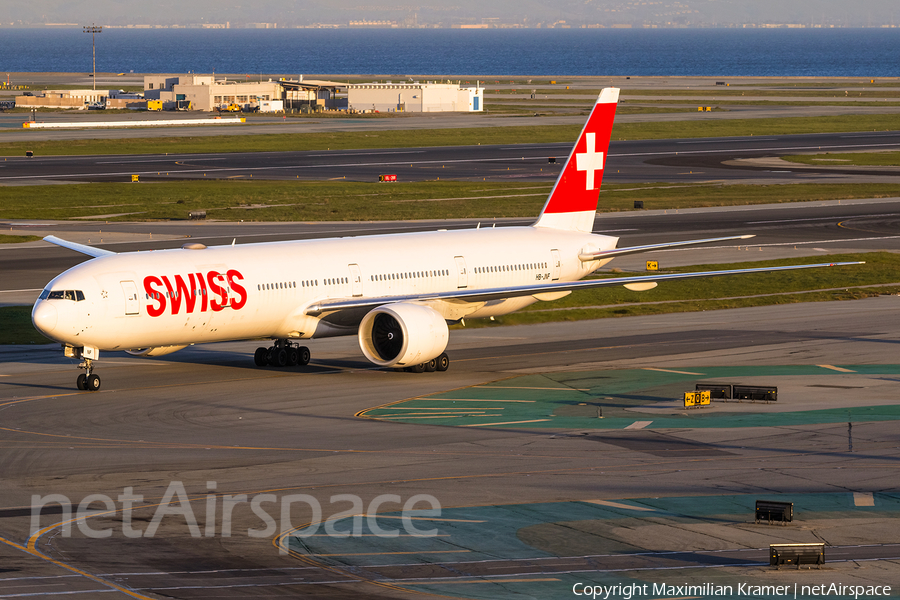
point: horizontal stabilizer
(89, 250)
(603, 254)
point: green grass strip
(257, 200)
(18, 239)
(16, 327)
(856, 159)
(738, 92)
(414, 138)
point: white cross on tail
(590, 160)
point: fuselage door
(555, 265)
(463, 280)
(132, 304)
(355, 280)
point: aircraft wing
(489, 294)
(89, 250)
(601, 254)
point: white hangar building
(415, 97)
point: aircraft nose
(44, 316)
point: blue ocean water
(558, 52)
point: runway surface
(712, 159)
(528, 507)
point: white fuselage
(181, 296)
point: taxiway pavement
(728, 160)
(208, 419)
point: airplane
(396, 292)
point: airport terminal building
(210, 92)
(207, 92)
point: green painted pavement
(613, 400)
(495, 533)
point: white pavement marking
(865, 239)
(45, 593)
(863, 499)
(618, 505)
(638, 425)
(752, 149)
(506, 423)
(514, 387)
(470, 400)
(671, 371)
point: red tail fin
(573, 201)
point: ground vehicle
(154, 105)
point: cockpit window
(75, 295)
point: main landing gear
(441, 363)
(281, 354)
(88, 381)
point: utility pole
(93, 30)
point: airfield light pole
(93, 30)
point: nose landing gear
(88, 381)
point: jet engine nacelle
(157, 351)
(403, 335)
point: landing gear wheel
(87, 380)
(259, 357)
(431, 366)
(419, 368)
(92, 383)
(304, 355)
(443, 362)
(293, 357)
(280, 358)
